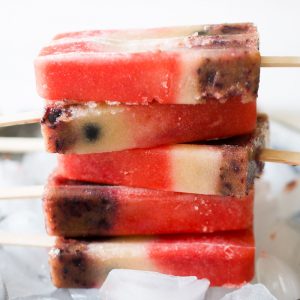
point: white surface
(27, 25)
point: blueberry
(51, 115)
(91, 132)
(54, 114)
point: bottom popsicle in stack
(224, 258)
(206, 212)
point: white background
(25, 26)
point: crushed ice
(249, 292)
(131, 284)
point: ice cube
(85, 294)
(250, 292)
(143, 285)
(216, 293)
(278, 277)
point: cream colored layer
(127, 253)
(115, 132)
(195, 169)
(126, 36)
(131, 41)
(188, 87)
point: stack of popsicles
(158, 139)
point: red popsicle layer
(183, 65)
(95, 128)
(78, 209)
(226, 167)
(226, 259)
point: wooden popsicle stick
(278, 156)
(25, 192)
(280, 61)
(12, 239)
(21, 145)
(20, 118)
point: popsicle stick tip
(26, 240)
(280, 61)
(20, 118)
(18, 193)
(279, 156)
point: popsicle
(226, 167)
(226, 259)
(79, 209)
(95, 128)
(181, 65)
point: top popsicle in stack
(119, 106)
(215, 68)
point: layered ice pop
(226, 167)
(225, 259)
(182, 65)
(79, 209)
(96, 128)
